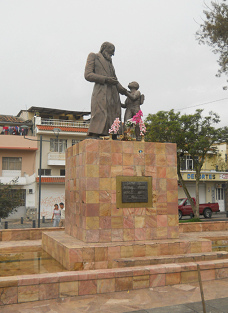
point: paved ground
(183, 298)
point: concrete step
(168, 259)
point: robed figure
(105, 102)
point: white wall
(51, 194)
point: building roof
(63, 128)
(12, 120)
(54, 111)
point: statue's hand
(123, 91)
(111, 80)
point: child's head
(133, 85)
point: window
(187, 163)
(62, 172)
(219, 194)
(44, 172)
(58, 145)
(74, 141)
(11, 164)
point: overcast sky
(45, 44)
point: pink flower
(115, 126)
(137, 117)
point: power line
(193, 106)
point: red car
(206, 209)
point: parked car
(205, 209)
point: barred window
(11, 164)
(44, 172)
(58, 145)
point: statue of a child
(132, 105)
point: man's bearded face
(109, 52)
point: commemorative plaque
(133, 191)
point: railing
(56, 156)
(64, 123)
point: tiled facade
(91, 211)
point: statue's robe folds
(105, 102)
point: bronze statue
(132, 105)
(105, 102)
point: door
(220, 198)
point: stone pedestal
(92, 168)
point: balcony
(56, 158)
(62, 123)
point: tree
(193, 134)
(214, 33)
(10, 198)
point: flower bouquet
(135, 126)
(113, 131)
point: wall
(51, 194)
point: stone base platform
(74, 254)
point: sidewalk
(183, 298)
(16, 224)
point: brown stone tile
(116, 146)
(207, 274)
(150, 159)
(105, 235)
(68, 289)
(92, 170)
(128, 147)
(92, 157)
(117, 234)
(129, 234)
(92, 196)
(139, 221)
(162, 221)
(48, 291)
(105, 183)
(117, 222)
(161, 172)
(92, 222)
(161, 160)
(128, 211)
(189, 277)
(106, 285)
(140, 234)
(124, 283)
(92, 183)
(92, 235)
(101, 254)
(105, 158)
(128, 221)
(87, 287)
(28, 293)
(139, 250)
(88, 254)
(172, 278)
(92, 209)
(126, 251)
(160, 148)
(157, 280)
(8, 295)
(141, 281)
(105, 171)
(105, 222)
(105, 209)
(105, 196)
(117, 158)
(140, 211)
(113, 253)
